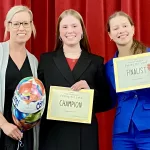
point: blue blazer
(132, 105)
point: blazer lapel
(63, 66)
(33, 63)
(81, 65)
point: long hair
(84, 44)
(137, 47)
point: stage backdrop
(95, 14)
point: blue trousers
(133, 140)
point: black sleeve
(102, 99)
(40, 71)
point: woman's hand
(148, 66)
(82, 84)
(12, 131)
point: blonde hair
(12, 12)
(84, 41)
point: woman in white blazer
(16, 63)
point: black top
(13, 77)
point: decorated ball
(28, 103)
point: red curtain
(95, 14)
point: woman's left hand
(82, 84)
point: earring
(60, 38)
(81, 36)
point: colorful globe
(28, 103)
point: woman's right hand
(148, 67)
(12, 131)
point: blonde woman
(131, 124)
(72, 65)
(16, 63)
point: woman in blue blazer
(132, 120)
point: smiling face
(70, 30)
(23, 32)
(121, 30)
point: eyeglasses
(16, 24)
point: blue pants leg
(133, 140)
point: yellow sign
(67, 105)
(131, 72)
